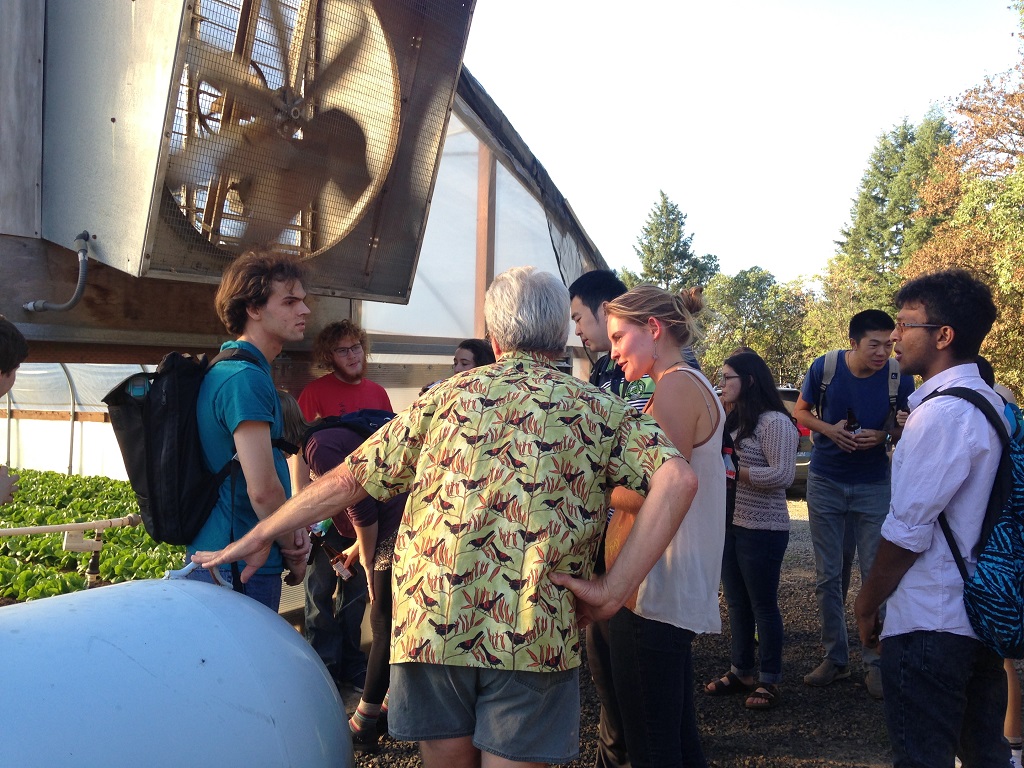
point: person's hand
(869, 625)
(296, 569)
(249, 548)
(298, 546)
(901, 417)
(593, 601)
(351, 555)
(844, 440)
(352, 558)
(8, 485)
(869, 438)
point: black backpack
(154, 420)
(363, 422)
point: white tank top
(682, 588)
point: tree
(977, 193)
(666, 253)
(887, 225)
(751, 309)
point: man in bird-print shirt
(506, 467)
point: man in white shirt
(945, 692)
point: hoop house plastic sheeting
(54, 418)
(442, 295)
(164, 673)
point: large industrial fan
(211, 127)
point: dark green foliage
(666, 253)
(37, 566)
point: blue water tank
(163, 673)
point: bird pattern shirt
(507, 467)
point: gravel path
(839, 726)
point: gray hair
(528, 310)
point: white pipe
(92, 525)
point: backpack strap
(894, 382)
(831, 362)
(1001, 484)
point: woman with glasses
(650, 638)
(766, 442)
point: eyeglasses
(726, 377)
(355, 349)
(903, 326)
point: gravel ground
(839, 726)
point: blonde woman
(652, 667)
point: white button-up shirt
(946, 460)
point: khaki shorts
(529, 717)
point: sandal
(764, 697)
(727, 685)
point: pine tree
(666, 252)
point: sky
(756, 118)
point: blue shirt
(234, 391)
(869, 399)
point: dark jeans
(378, 668)
(652, 668)
(334, 612)
(611, 743)
(945, 695)
(751, 563)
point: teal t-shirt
(234, 391)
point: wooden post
(485, 222)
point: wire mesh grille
(286, 122)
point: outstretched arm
(322, 499)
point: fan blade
(337, 138)
(230, 74)
(352, 40)
(204, 157)
(280, 177)
(281, 33)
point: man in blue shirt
(261, 301)
(848, 480)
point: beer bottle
(337, 558)
(852, 425)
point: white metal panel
(109, 72)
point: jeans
(264, 588)
(830, 505)
(751, 563)
(334, 612)
(945, 694)
(611, 743)
(652, 668)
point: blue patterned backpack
(994, 595)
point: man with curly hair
(335, 607)
(343, 348)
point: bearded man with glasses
(343, 349)
(335, 607)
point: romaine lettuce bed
(37, 566)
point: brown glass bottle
(852, 425)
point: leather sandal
(763, 697)
(727, 685)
